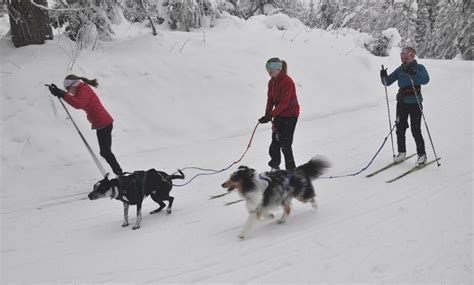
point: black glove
(410, 70)
(383, 74)
(265, 119)
(56, 91)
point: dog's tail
(313, 168)
(177, 176)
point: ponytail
(91, 82)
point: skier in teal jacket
(410, 76)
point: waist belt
(293, 102)
(409, 90)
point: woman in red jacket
(80, 95)
(283, 108)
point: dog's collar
(115, 190)
(290, 176)
(116, 194)
(265, 178)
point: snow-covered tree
(422, 23)
(437, 28)
(190, 14)
(382, 43)
(86, 21)
(451, 34)
(464, 42)
(327, 14)
(407, 22)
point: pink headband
(70, 82)
(408, 51)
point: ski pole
(91, 152)
(389, 117)
(424, 120)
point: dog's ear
(242, 167)
(249, 172)
(97, 185)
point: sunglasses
(274, 66)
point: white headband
(70, 82)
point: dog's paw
(242, 236)
(125, 224)
(314, 204)
(168, 211)
(281, 221)
(136, 227)
(270, 216)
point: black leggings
(104, 136)
(282, 140)
(412, 110)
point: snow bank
(277, 21)
(227, 22)
(4, 25)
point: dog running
(133, 188)
(269, 190)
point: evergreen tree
(422, 23)
(407, 23)
(464, 41)
(190, 14)
(447, 37)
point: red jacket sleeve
(287, 89)
(80, 100)
(270, 103)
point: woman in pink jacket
(80, 95)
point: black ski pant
(104, 136)
(282, 139)
(414, 112)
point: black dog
(133, 188)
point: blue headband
(274, 65)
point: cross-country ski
(414, 169)
(389, 166)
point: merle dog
(269, 190)
(133, 188)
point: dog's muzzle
(229, 187)
(92, 196)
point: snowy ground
(174, 105)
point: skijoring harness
(410, 90)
